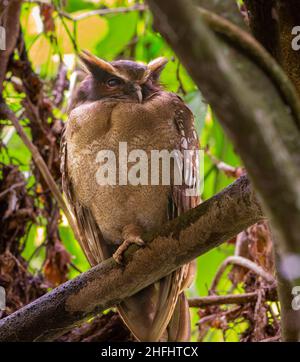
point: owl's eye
(113, 82)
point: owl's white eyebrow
(145, 77)
(125, 78)
(120, 75)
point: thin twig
(227, 314)
(181, 86)
(76, 268)
(38, 2)
(63, 15)
(36, 250)
(271, 339)
(222, 299)
(230, 299)
(102, 12)
(13, 187)
(227, 169)
(245, 263)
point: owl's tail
(160, 311)
(179, 328)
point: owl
(123, 102)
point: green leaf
(76, 5)
(73, 247)
(207, 266)
(198, 107)
(121, 29)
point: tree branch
(245, 43)
(229, 299)
(102, 12)
(180, 241)
(271, 23)
(10, 11)
(245, 263)
(226, 9)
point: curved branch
(243, 41)
(180, 241)
(245, 263)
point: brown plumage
(122, 101)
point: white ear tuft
(157, 64)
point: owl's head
(121, 79)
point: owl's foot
(118, 255)
(131, 234)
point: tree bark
(10, 11)
(227, 9)
(263, 24)
(180, 241)
(271, 23)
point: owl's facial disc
(121, 79)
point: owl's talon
(118, 254)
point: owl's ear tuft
(95, 65)
(156, 66)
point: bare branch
(102, 12)
(228, 299)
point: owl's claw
(118, 255)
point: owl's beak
(139, 93)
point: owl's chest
(111, 163)
(118, 128)
(143, 127)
